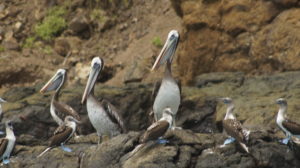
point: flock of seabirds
(106, 119)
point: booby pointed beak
(96, 67)
(56, 81)
(167, 52)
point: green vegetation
(29, 42)
(156, 41)
(2, 48)
(98, 15)
(47, 49)
(53, 24)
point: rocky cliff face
(197, 145)
(249, 36)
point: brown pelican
(156, 130)
(103, 115)
(233, 127)
(62, 135)
(169, 91)
(7, 144)
(289, 127)
(58, 109)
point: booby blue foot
(6, 161)
(228, 141)
(162, 141)
(66, 149)
(285, 141)
(2, 133)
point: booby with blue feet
(289, 127)
(7, 143)
(233, 127)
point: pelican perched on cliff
(289, 127)
(58, 110)
(62, 135)
(103, 115)
(7, 144)
(233, 127)
(169, 91)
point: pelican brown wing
(291, 126)
(114, 115)
(155, 131)
(64, 110)
(234, 128)
(61, 135)
(3, 145)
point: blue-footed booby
(233, 127)
(156, 130)
(289, 127)
(7, 144)
(169, 91)
(62, 135)
(58, 110)
(103, 115)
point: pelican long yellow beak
(55, 82)
(96, 67)
(167, 52)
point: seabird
(155, 131)
(289, 127)
(233, 127)
(62, 135)
(7, 144)
(104, 117)
(169, 91)
(1, 101)
(58, 109)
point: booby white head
(167, 52)
(96, 67)
(56, 82)
(230, 107)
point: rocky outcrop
(200, 115)
(248, 36)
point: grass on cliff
(2, 49)
(156, 41)
(53, 24)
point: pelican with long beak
(103, 115)
(169, 90)
(7, 144)
(62, 135)
(58, 110)
(289, 127)
(233, 127)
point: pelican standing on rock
(169, 91)
(58, 109)
(7, 144)
(103, 115)
(289, 127)
(233, 127)
(62, 135)
(156, 130)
